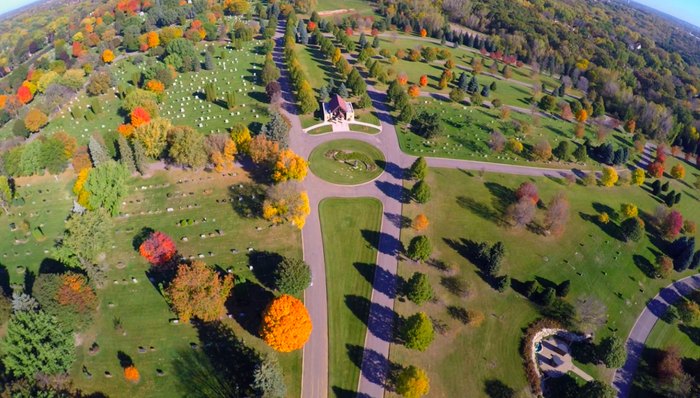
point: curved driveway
(388, 188)
(645, 323)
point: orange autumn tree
(3, 101)
(289, 166)
(107, 56)
(582, 116)
(76, 293)
(24, 95)
(423, 80)
(158, 248)
(286, 324)
(139, 116)
(423, 32)
(420, 222)
(199, 292)
(152, 39)
(132, 374)
(155, 86)
(413, 91)
(126, 129)
(402, 78)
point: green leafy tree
(562, 151)
(421, 192)
(417, 332)
(35, 344)
(292, 276)
(611, 352)
(88, 234)
(307, 99)
(412, 382)
(419, 248)
(580, 153)
(418, 289)
(598, 389)
(632, 229)
(270, 72)
(426, 124)
(6, 194)
(106, 186)
(210, 92)
(186, 146)
(418, 169)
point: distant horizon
(6, 7)
(685, 10)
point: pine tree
(210, 92)
(473, 86)
(98, 153)
(485, 92)
(323, 94)
(126, 155)
(343, 91)
(363, 40)
(307, 99)
(375, 42)
(140, 158)
(230, 100)
(208, 61)
(463, 83)
(418, 169)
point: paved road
(388, 188)
(645, 323)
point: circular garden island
(346, 162)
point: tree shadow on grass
(382, 242)
(692, 332)
(480, 209)
(644, 265)
(394, 191)
(503, 196)
(247, 303)
(339, 392)
(51, 266)
(264, 264)
(246, 199)
(124, 360)
(223, 367)
(379, 319)
(497, 389)
(381, 280)
(5, 281)
(611, 229)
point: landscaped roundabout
(346, 162)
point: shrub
(632, 229)
(417, 332)
(420, 248)
(418, 289)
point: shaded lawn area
(466, 133)
(470, 208)
(143, 312)
(350, 229)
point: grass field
(350, 236)
(471, 207)
(370, 162)
(183, 103)
(466, 133)
(358, 6)
(139, 308)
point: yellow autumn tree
(152, 39)
(582, 116)
(629, 210)
(412, 382)
(240, 134)
(198, 291)
(153, 136)
(638, 176)
(286, 324)
(107, 56)
(78, 188)
(609, 177)
(286, 202)
(289, 166)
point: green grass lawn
(206, 198)
(324, 165)
(598, 264)
(350, 236)
(466, 133)
(358, 6)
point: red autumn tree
(139, 116)
(656, 169)
(24, 95)
(311, 26)
(527, 190)
(77, 49)
(76, 293)
(423, 81)
(670, 365)
(158, 249)
(423, 32)
(672, 224)
(661, 154)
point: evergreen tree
(363, 40)
(343, 91)
(493, 86)
(208, 61)
(418, 169)
(407, 113)
(210, 92)
(98, 153)
(140, 158)
(473, 85)
(463, 82)
(375, 42)
(323, 94)
(126, 155)
(307, 99)
(277, 129)
(485, 91)
(365, 101)
(230, 100)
